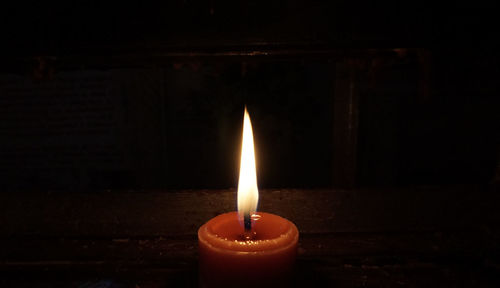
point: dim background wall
(105, 96)
(179, 126)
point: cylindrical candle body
(227, 259)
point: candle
(247, 248)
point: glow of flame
(248, 193)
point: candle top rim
(222, 232)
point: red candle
(226, 257)
(247, 248)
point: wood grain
(413, 237)
(180, 213)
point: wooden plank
(163, 55)
(338, 248)
(122, 214)
(340, 260)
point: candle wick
(248, 234)
(247, 222)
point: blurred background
(341, 94)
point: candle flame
(248, 193)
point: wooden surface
(410, 237)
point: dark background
(135, 95)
